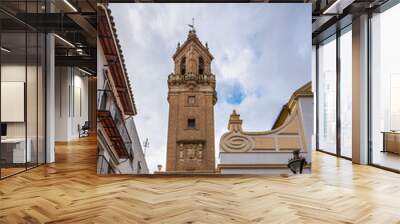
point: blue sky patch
(234, 93)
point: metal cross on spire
(192, 25)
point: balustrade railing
(191, 77)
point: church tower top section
(192, 41)
(192, 62)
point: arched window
(201, 65)
(183, 65)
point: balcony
(190, 77)
(110, 116)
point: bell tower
(191, 98)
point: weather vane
(192, 25)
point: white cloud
(265, 48)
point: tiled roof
(121, 56)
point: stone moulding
(288, 137)
(236, 142)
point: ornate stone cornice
(190, 78)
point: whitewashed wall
(68, 83)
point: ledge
(257, 166)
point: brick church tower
(191, 99)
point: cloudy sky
(262, 53)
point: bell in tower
(191, 98)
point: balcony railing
(111, 116)
(191, 77)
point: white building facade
(119, 147)
(268, 152)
